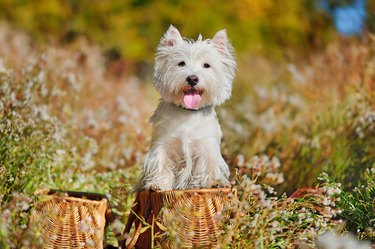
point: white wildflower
(240, 160)
(2, 67)
(72, 80)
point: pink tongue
(192, 100)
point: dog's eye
(206, 65)
(182, 64)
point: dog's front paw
(152, 186)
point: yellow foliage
(134, 27)
(254, 9)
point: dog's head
(194, 74)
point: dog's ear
(222, 43)
(171, 38)
(220, 38)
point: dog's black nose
(192, 80)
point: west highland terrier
(192, 77)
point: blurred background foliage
(132, 28)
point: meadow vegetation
(73, 115)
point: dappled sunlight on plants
(64, 124)
(262, 218)
(309, 115)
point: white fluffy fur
(185, 146)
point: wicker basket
(192, 213)
(70, 220)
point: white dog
(192, 78)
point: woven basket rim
(194, 190)
(71, 198)
(70, 194)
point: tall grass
(311, 114)
(63, 124)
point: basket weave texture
(69, 222)
(192, 213)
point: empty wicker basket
(70, 220)
(192, 213)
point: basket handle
(131, 219)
